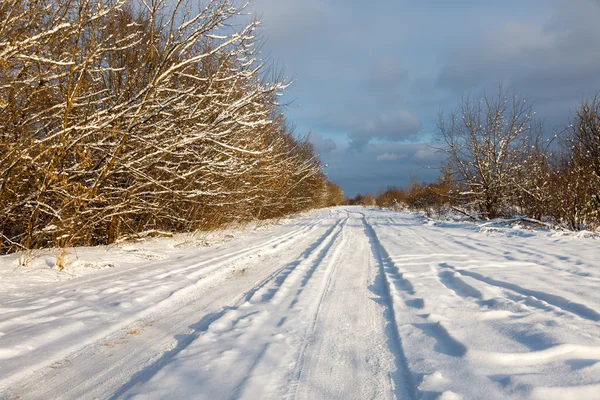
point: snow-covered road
(342, 303)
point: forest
(119, 117)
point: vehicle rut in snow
(347, 302)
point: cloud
(387, 73)
(378, 90)
(550, 59)
(388, 157)
(404, 126)
(322, 145)
(363, 172)
(291, 21)
(427, 154)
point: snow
(338, 303)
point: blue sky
(370, 78)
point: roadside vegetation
(125, 116)
(499, 164)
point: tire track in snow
(560, 302)
(269, 289)
(270, 246)
(106, 281)
(404, 384)
(228, 317)
(452, 280)
(457, 285)
(314, 257)
(182, 298)
(477, 358)
(100, 280)
(347, 351)
(563, 303)
(313, 261)
(330, 270)
(487, 304)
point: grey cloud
(291, 21)
(322, 145)
(427, 155)
(350, 63)
(363, 172)
(550, 60)
(403, 126)
(388, 157)
(387, 73)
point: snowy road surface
(342, 303)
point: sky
(372, 77)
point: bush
(118, 116)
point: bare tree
(118, 116)
(483, 139)
(583, 165)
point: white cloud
(426, 154)
(388, 157)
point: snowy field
(342, 303)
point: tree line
(124, 116)
(500, 164)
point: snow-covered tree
(118, 116)
(483, 139)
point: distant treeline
(500, 165)
(122, 116)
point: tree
(583, 165)
(483, 139)
(118, 116)
(392, 197)
(334, 195)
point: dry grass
(61, 260)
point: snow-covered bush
(118, 116)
